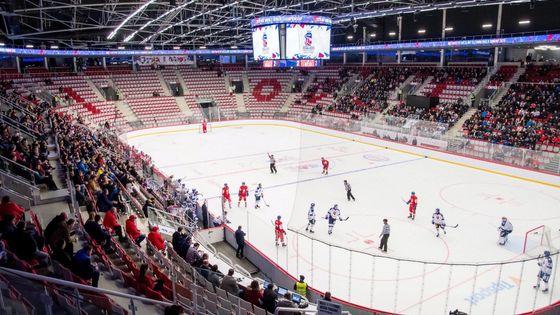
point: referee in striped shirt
(384, 236)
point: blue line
(333, 175)
(248, 155)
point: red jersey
(413, 200)
(278, 226)
(203, 124)
(225, 192)
(325, 163)
(243, 191)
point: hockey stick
(264, 201)
(345, 219)
(406, 202)
(452, 226)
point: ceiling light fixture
(54, 47)
(448, 29)
(524, 22)
(350, 37)
(422, 31)
(120, 47)
(28, 46)
(142, 7)
(202, 47)
(392, 33)
(487, 25)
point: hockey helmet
(504, 219)
(312, 204)
(242, 183)
(225, 184)
(546, 253)
(413, 193)
(437, 210)
(335, 206)
(279, 217)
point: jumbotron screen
(291, 37)
(304, 41)
(266, 42)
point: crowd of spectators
(446, 113)
(527, 115)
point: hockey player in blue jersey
(546, 270)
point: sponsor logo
(491, 290)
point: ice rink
(431, 275)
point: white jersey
(546, 266)
(259, 192)
(311, 214)
(333, 214)
(506, 226)
(437, 218)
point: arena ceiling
(225, 23)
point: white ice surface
(476, 200)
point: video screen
(266, 42)
(305, 41)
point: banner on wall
(163, 60)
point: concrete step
(182, 104)
(50, 196)
(46, 212)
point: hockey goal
(537, 240)
(208, 127)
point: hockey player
(204, 126)
(272, 164)
(279, 231)
(332, 216)
(258, 196)
(243, 192)
(412, 202)
(311, 219)
(439, 221)
(225, 195)
(545, 272)
(325, 164)
(505, 229)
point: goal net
(208, 127)
(537, 240)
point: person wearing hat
(150, 202)
(301, 287)
(111, 223)
(156, 239)
(133, 231)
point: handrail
(17, 125)
(16, 106)
(300, 310)
(65, 283)
(21, 166)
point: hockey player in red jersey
(325, 166)
(225, 195)
(412, 202)
(204, 126)
(243, 192)
(279, 231)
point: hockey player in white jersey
(332, 216)
(439, 221)
(505, 229)
(546, 270)
(311, 219)
(258, 195)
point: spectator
(156, 239)
(133, 231)
(83, 267)
(253, 294)
(173, 310)
(110, 222)
(57, 229)
(180, 242)
(204, 268)
(286, 301)
(96, 231)
(146, 281)
(214, 276)
(229, 283)
(269, 298)
(327, 296)
(7, 225)
(150, 202)
(193, 254)
(240, 240)
(23, 245)
(60, 255)
(10, 207)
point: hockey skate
(284, 245)
(311, 231)
(410, 216)
(544, 290)
(536, 287)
